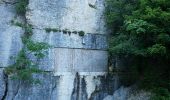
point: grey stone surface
(2, 84)
(129, 93)
(109, 97)
(26, 91)
(70, 54)
(140, 95)
(79, 60)
(74, 60)
(59, 39)
(10, 36)
(67, 14)
(7, 1)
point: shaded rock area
(129, 93)
(2, 85)
(40, 91)
(19, 90)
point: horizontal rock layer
(61, 40)
(85, 15)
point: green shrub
(160, 94)
(65, 31)
(24, 68)
(69, 32)
(75, 32)
(26, 27)
(81, 33)
(92, 6)
(48, 30)
(21, 6)
(140, 33)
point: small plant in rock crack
(19, 24)
(21, 6)
(92, 6)
(48, 30)
(69, 32)
(65, 31)
(59, 30)
(26, 27)
(75, 32)
(24, 68)
(81, 33)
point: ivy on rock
(24, 66)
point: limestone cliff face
(76, 65)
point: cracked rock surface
(2, 84)
(75, 66)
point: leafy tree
(143, 38)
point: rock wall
(79, 61)
(75, 66)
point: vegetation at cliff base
(140, 35)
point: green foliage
(69, 32)
(140, 33)
(17, 23)
(116, 11)
(81, 33)
(21, 6)
(92, 6)
(161, 94)
(22, 69)
(65, 31)
(48, 30)
(157, 49)
(163, 38)
(75, 32)
(26, 27)
(39, 49)
(122, 49)
(23, 66)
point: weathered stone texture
(10, 36)
(59, 39)
(67, 14)
(26, 91)
(2, 84)
(79, 60)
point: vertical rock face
(77, 62)
(86, 15)
(75, 66)
(10, 41)
(2, 84)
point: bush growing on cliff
(141, 34)
(21, 6)
(24, 67)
